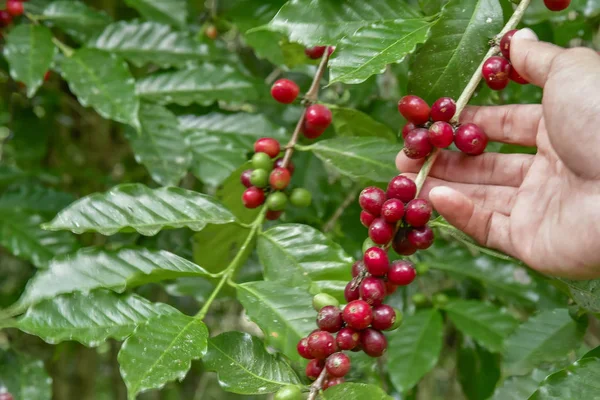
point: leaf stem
(317, 385)
(330, 224)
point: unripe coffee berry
(300, 197)
(358, 268)
(303, 349)
(269, 146)
(253, 197)
(420, 300)
(262, 161)
(245, 178)
(557, 5)
(376, 261)
(373, 342)
(259, 178)
(398, 321)
(392, 210)
(323, 300)
(372, 290)
(211, 32)
(279, 178)
(381, 232)
(407, 128)
(285, 91)
(290, 165)
(421, 238)
(417, 144)
(276, 201)
(401, 188)
(402, 273)
(357, 314)
(418, 212)
(273, 215)
(351, 294)
(505, 43)
(314, 369)
(14, 7)
(331, 382)
(367, 244)
(371, 199)
(496, 72)
(329, 319)
(337, 364)
(414, 109)
(384, 317)
(441, 134)
(440, 300)
(315, 52)
(470, 139)
(347, 339)
(443, 109)
(289, 392)
(366, 218)
(401, 244)
(321, 344)
(318, 115)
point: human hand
(545, 208)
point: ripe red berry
(418, 212)
(8, 396)
(321, 344)
(333, 382)
(357, 314)
(314, 369)
(416, 144)
(290, 165)
(441, 134)
(245, 178)
(303, 349)
(372, 290)
(381, 232)
(285, 91)
(384, 317)
(373, 342)
(312, 132)
(358, 268)
(337, 364)
(515, 77)
(273, 215)
(421, 238)
(279, 178)
(390, 287)
(470, 139)
(351, 294)
(392, 210)
(371, 199)
(253, 197)
(376, 261)
(402, 273)
(315, 52)
(330, 319)
(347, 339)
(401, 244)
(414, 109)
(557, 5)
(366, 218)
(47, 75)
(496, 72)
(318, 116)
(14, 7)
(267, 145)
(5, 18)
(443, 109)
(401, 188)
(407, 128)
(505, 43)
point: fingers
(532, 59)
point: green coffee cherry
(367, 244)
(322, 300)
(399, 319)
(300, 197)
(259, 178)
(419, 299)
(276, 201)
(289, 392)
(440, 299)
(421, 268)
(262, 161)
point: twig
(330, 224)
(317, 385)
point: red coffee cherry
(505, 43)
(441, 134)
(14, 7)
(496, 71)
(333, 382)
(8, 396)
(390, 287)
(290, 165)
(329, 319)
(315, 52)
(470, 139)
(376, 261)
(414, 109)
(401, 244)
(515, 77)
(245, 178)
(372, 290)
(416, 144)
(384, 317)
(211, 32)
(303, 349)
(285, 91)
(267, 145)
(373, 342)
(366, 218)
(253, 197)
(557, 5)
(47, 75)
(401, 188)
(418, 212)
(371, 199)
(318, 116)
(279, 178)
(392, 210)
(312, 132)
(407, 128)
(357, 268)
(321, 344)
(314, 369)
(273, 215)
(347, 339)
(421, 238)
(402, 273)
(351, 294)
(380, 231)
(337, 364)
(357, 314)
(443, 109)
(5, 18)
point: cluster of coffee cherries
(6, 396)
(430, 127)
(557, 5)
(14, 8)
(268, 179)
(497, 70)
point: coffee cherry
(14, 7)
(333, 382)
(315, 52)
(262, 161)
(372, 290)
(253, 197)
(337, 364)
(376, 261)
(505, 43)
(323, 300)
(398, 321)
(279, 178)
(371, 199)
(211, 32)
(245, 178)
(390, 287)
(419, 299)
(366, 218)
(380, 231)
(347, 339)
(515, 77)
(290, 165)
(289, 392)
(384, 317)
(259, 178)
(47, 76)
(276, 201)
(273, 215)
(314, 369)
(285, 91)
(318, 116)
(440, 300)
(303, 349)
(441, 134)
(351, 294)
(392, 210)
(470, 139)
(5, 18)
(407, 128)
(329, 319)
(414, 109)
(373, 342)
(416, 144)
(557, 5)
(401, 188)
(421, 238)
(357, 268)
(496, 72)
(357, 314)
(267, 145)
(312, 132)
(443, 109)
(300, 197)
(321, 344)
(367, 244)
(418, 212)
(401, 244)
(402, 273)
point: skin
(543, 209)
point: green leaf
(24, 377)
(76, 19)
(102, 81)
(455, 48)
(149, 43)
(244, 366)
(137, 207)
(413, 349)
(482, 321)
(160, 146)
(351, 122)
(347, 391)
(172, 12)
(33, 198)
(203, 84)
(368, 51)
(578, 381)
(519, 387)
(546, 337)
(478, 371)
(359, 157)
(282, 312)
(161, 351)
(90, 318)
(91, 268)
(29, 51)
(585, 293)
(220, 142)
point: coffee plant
(199, 200)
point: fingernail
(442, 191)
(526, 34)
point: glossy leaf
(478, 371)
(244, 366)
(172, 12)
(90, 318)
(351, 122)
(482, 321)
(546, 337)
(578, 381)
(585, 293)
(76, 19)
(160, 146)
(455, 48)
(368, 51)
(519, 387)
(281, 311)
(102, 81)
(414, 348)
(24, 377)
(29, 51)
(33, 198)
(161, 351)
(137, 207)
(359, 157)
(347, 391)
